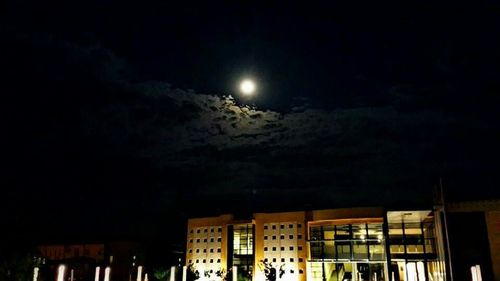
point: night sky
(121, 118)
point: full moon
(247, 87)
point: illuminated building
(322, 245)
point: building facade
(323, 245)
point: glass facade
(347, 252)
(243, 250)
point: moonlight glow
(247, 87)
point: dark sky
(118, 119)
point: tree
(191, 273)
(161, 274)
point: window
(291, 260)
(301, 271)
(274, 248)
(211, 260)
(282, 226)
(299, 225)
(190, 240)
(274, 226)
(212, 229)
(211, 250)
(190, 251)
(191, 231)
(265, 237)
(211, 240)
(218, 260)
(219, 239)
(290, 226)
(290, 236)
(197, 250)
(291, 248)
(197, 261)
(204, 250)
(265, 249)
(197, 240)
(282, 259)
(190, 261)
(291, 271)
(205, 240)
(274, 237)
(265, 226)
(205, 230)
(204, 261)
(300, 248)
(301, 260)
(219, 229)
(218, 250)
(282, 248)
(198, 231)
(299, 236)
(282, 237)
(265, 260)
(274, 259)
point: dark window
(291, 248)
(265, 237)
(190, 251)
(291, 260)
(211, 240)
(197, 250)
(219, 229)
(211, 250)
(274, 226)
(274, 248)
(282, 248)
(301, 271)
(204, 260)
(290, 236)
(191, 231)
(198, 231)
(265, 248)
(205, 230)
(301, 259)
(265, 259)
(197, 240)
(291, 271)
(212, 229)
(282, 259)
(190, 240)
(274, 259)
(274, 237)
(197, 261)
(218, 250)
(290, 226)
(265, 226)
(205, 240)
(299, 236)
(218, 260)
(204, 250)
(190, 261)
(299, 225)
(219, 239)
(211, 260)
(300, 248)
(282, 236)
(282, 226)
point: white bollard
(107, 273)
(139, 273)
(60, 273)
(184, 273)
(72, 275)
(235, 273)
(35, 273)
(146, 277)
(172, 273)
(97, 272)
